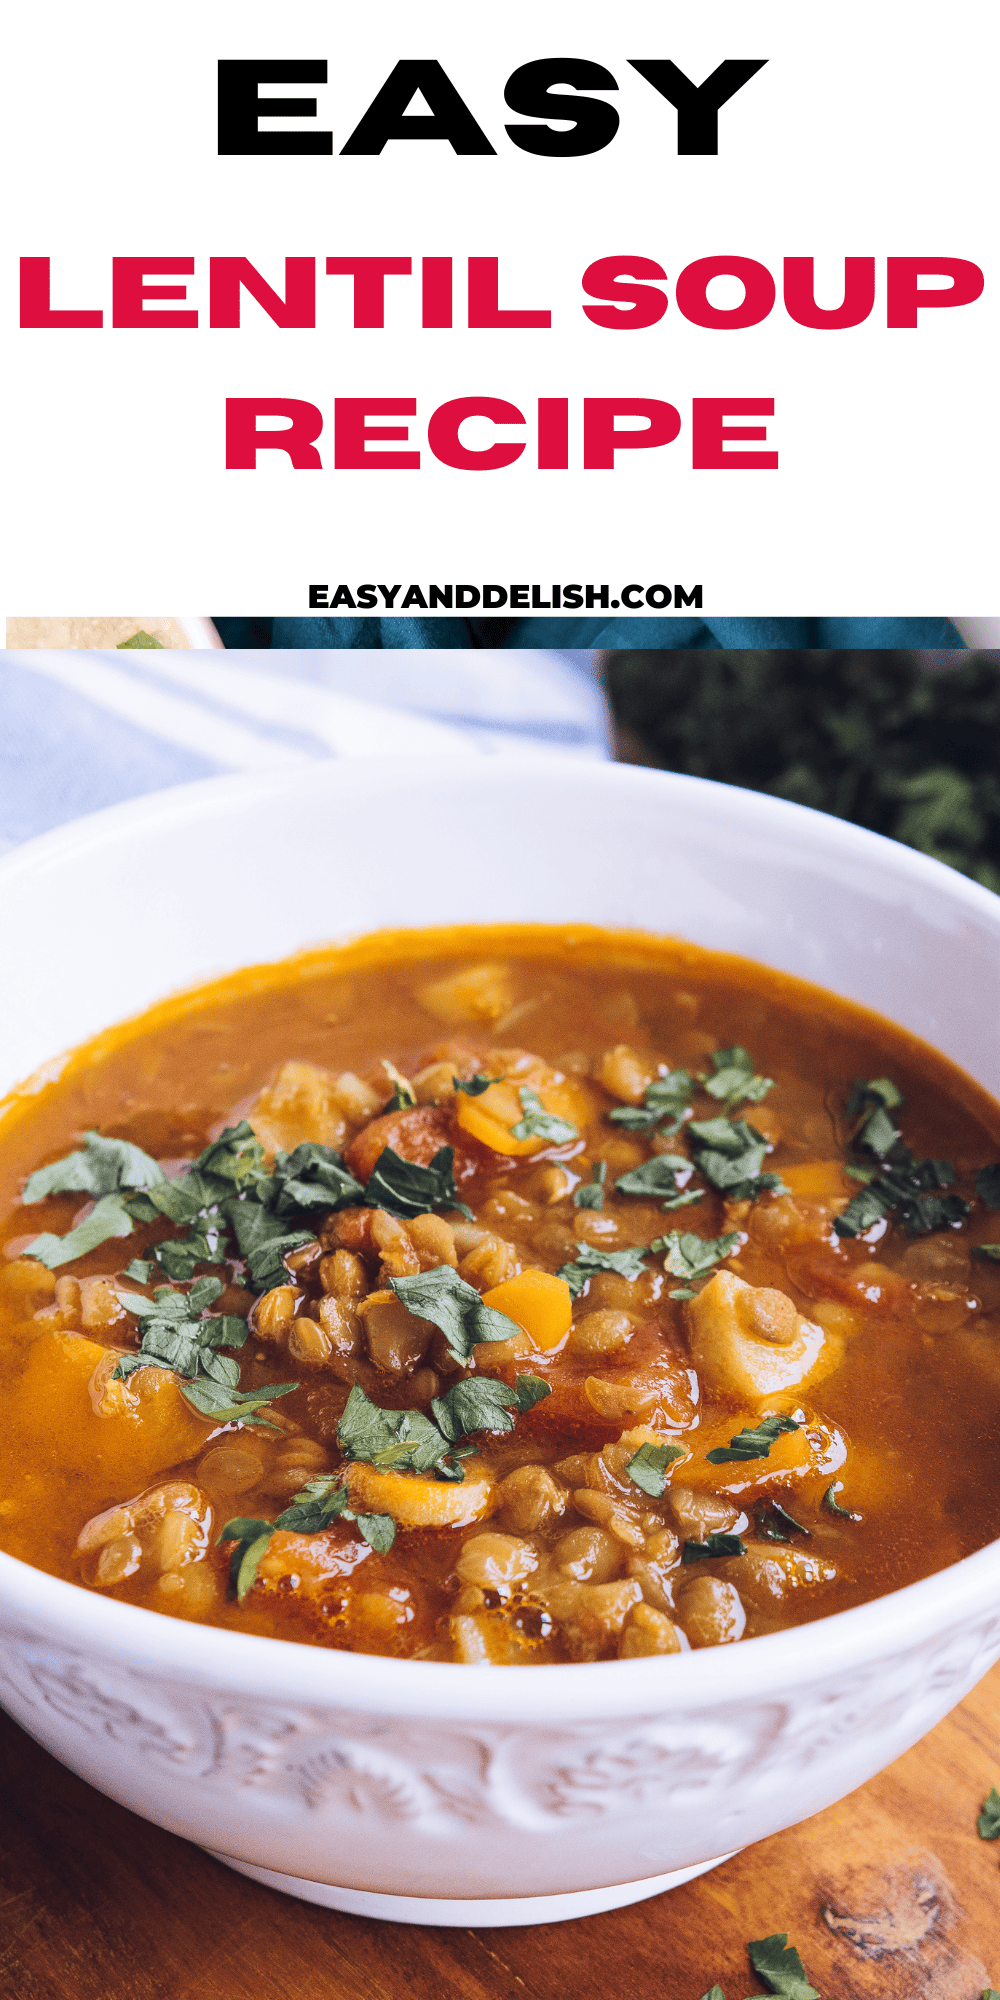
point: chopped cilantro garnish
(226, 1406)
(404, 1097)
(648, 1468)
(590, 1194)
(988, 1185)
(178, 1334)
(777, 1962)
(713, 1545)
(666, 1098)
(831, 1504)
(752, 1443)
(776, 1524)
(901, 1185)
(991, 1251)
(730, 1154)
(989, 1817)
(627, 1263)
(102, 1167)
(714, 1993)
(403, 1188)
(143, 641)
(688, 1256)
(476, 1084)
(734, 1081)
(138, 1271)
(313, 1176)
(311, 1510)
(108, 1218)
(538, 1123)
(408, 1441)
(664, 1174)
(456, 1307)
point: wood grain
(889, 1896)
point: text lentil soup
(514, 1295)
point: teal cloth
(819, 634)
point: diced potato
(538, 1302)
(648, 1632)
(750, 1342)
(478, 993)
(302, 1104)
(820, 1180)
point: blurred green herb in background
(871, 737)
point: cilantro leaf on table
(664, 1174)
(590, 1194)
(748, 1444)
(713, 1545)
(735, 1081)
(988, 1822)
(627, 1263)
(688, 1256)
(776, 1524)
(475, 1085)
(988, 1184)
(444, 1298)
(666, 1098)
(102, 1166)
(537, 1123)
(403, 1188)
(647, 1469)
(108, 1218)
(730, 1154)
(777, 1962)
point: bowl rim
(57, 1611)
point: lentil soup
(509, 1295)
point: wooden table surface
(889, 1896)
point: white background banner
(868, 134)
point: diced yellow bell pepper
(538, 1302)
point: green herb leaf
(991, 1252)
(313, 1176)
(752, 1443)
(713, 1545)
(831, 1504)
(108, 1218)
(476, 1084)
(734, 1081)
(102, 1167)
(590, 1194)
(627, 1263)
(404, 1097)
(448, 1302)
(378, 1530)
(235, 1157)
(989, 1818)
(648, 1468)
(480, 1404)
(538, 1123)
(142, 641)
(781, 1967)
(138, 1270)
(403, 1440)
(714, 1993)
(776, 1524)
(688, 1256)
(265, 1263)
(251, 1538)
(667, 1097)
(730, 1154)
(905, 1187)
(403, 1188)
(988, 1185)
(226, 1406)
(664, 1174)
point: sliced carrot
(538, 1302)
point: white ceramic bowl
(477, 1794)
